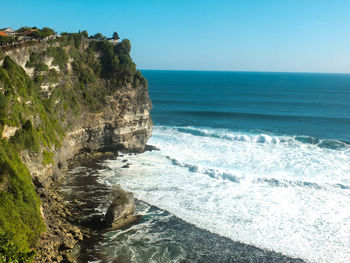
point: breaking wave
(288, 194)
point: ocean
(251, 167)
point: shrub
(59, 55)
(47, 158)
(18, 77)
(41, 67)
(27, 137)
(44, 32)
(3, 100)
(10, 252)
(6, 40)
(85, 34)
(52, 76)
(73, 39)
(20, 218)
(124, 47)
(34, 59)
(99, 36)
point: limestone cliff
(58, 99)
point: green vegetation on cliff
(20, 218)
(70, 75)
(117, 63)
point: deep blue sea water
(249, 164)
(315, 105)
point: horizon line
(249, 71)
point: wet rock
(68, 242)
(76, 232)
(94, 222)
(122, 205)
(60, 236)
(151, 148)
(69, 258)
(75, 202)
(126, 222)
(97, 154)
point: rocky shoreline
(61, 234)
(74, 226)
(94, 136)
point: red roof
(3, 34)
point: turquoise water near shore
(257, 158)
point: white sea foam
(279, 193)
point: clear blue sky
(254, 35)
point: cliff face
(58, 99)
(123, 122)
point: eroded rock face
(123, 124)
(8, 131)
(21, 56)
(122, 206)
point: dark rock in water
(151, 148)
(124, 161)
(127, 165)
(125, 223)
(122, 206)
(94, 222)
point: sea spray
(279, 193)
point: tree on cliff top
(23, 29)
(45, 32)
(115, 36)
(99, 36)
(85, 34)
(124, 47)
(6, 40)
